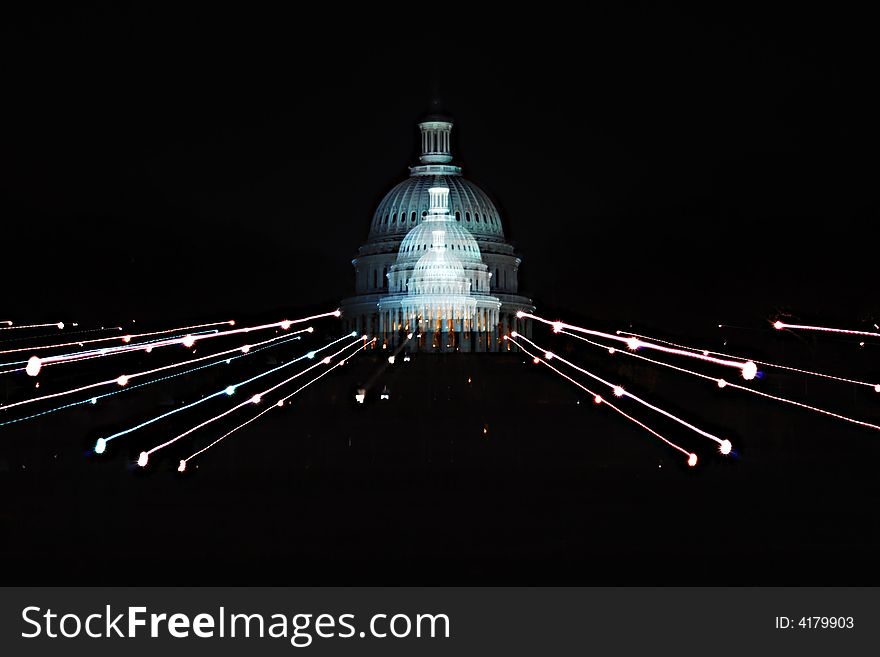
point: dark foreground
(502, 478)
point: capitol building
(436, 264)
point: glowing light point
(326, 361)
(520, 314)
(725, 447)
(126, 338)
(409, 336)
(100, 446)
(337, 313)
(230, 390)
(310, 329)
(285, 324)
(245, 349)
(778, 325)
(149, 350)
(618, 391)
(633, 343)
(692, 459)
(877, 388)
(597, 399)
(188, 341)
(181, 466)
(749, 371)
(34, 365)
(353, 334)
(256, 399)
(122, 380)
(232, 322)
(612, 350)
(60, 325)
(280, 402)
(536, 360)
(557, 327)
(705, 352)
(391, 360)
(514, 334)
(310, 355)
(94, 400)
(143, 459)
(722, 383)
(548, 355)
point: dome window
(458, 215)
(412, 216)
(467, 216)
(394, 218)
(386, 218)
(477, 216)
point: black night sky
(661, 168)
(651, 165)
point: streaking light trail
(187, 341)
(80, 343)
(77, 356)
(692, 458)
(747, 370)
(182, 465)
(11, 327)
(721, 383)
(227, 391)
(873, 386)
(269, 344)
(779, 325)
(618, 391)
(67, 333)
(144, 456)
(125, 378)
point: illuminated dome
(456, 239)
(407, 203)
(436, 263)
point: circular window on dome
(424, 213)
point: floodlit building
(436, 263)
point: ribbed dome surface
(407, 204)
(458, 242)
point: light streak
(227, 391)
(274, 342)
(116, 337)
(181, 467)
(744, 368)
(11, 327)
(187, 341)
(123, 379)
(779, 325)
(78, 356)
(721, 383)
(67, 333)
(821, 375)
(692, 458)
(620, 392)
(245, 403)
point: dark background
(652, 164)
(665, 168)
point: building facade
(436, 263)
